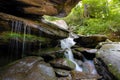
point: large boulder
(48, 53)
(63, 64)
(61, 24)
(109, 53)
(62, 72)
(90, 41)
(29, 68)
(88, 53)
(25, 8)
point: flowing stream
(66, 44)
(91, 66)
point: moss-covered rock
(63, 63)
(39, 28)
(6, 36)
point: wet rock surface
(60, 23)
(90, 41)
(78, 55)
(62, 73)
(81, 76)
(63, 64)
(80, 52)
(29, 68)
(110, 55)
(41, 28)
(17, 34)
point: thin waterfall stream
(18, 45)
(23, 47)
(66, 44)
(14, 42)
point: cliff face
(26, 8)
(22, 30)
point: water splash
(66, 44)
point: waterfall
(93, 66)
(23, 45)
(15, 47)
(14, 43)
(29, 45)
(66, 44)
(90, 66)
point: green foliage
(51, 18)
(95, 17)
(31, 38)
(93, 26)
(96, 8)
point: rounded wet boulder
(63, 64)
(109, 54)
(29, 68)
(62, 72)
(90, 41)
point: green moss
(71, 64)
(30, 38)
(79, 49)
(114, 71)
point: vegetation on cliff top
(95, 17)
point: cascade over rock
(25, 36)
(66, 44)
(24, 32)
(63, 64)
(22, 25)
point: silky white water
(66, 44)
(91, 66)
